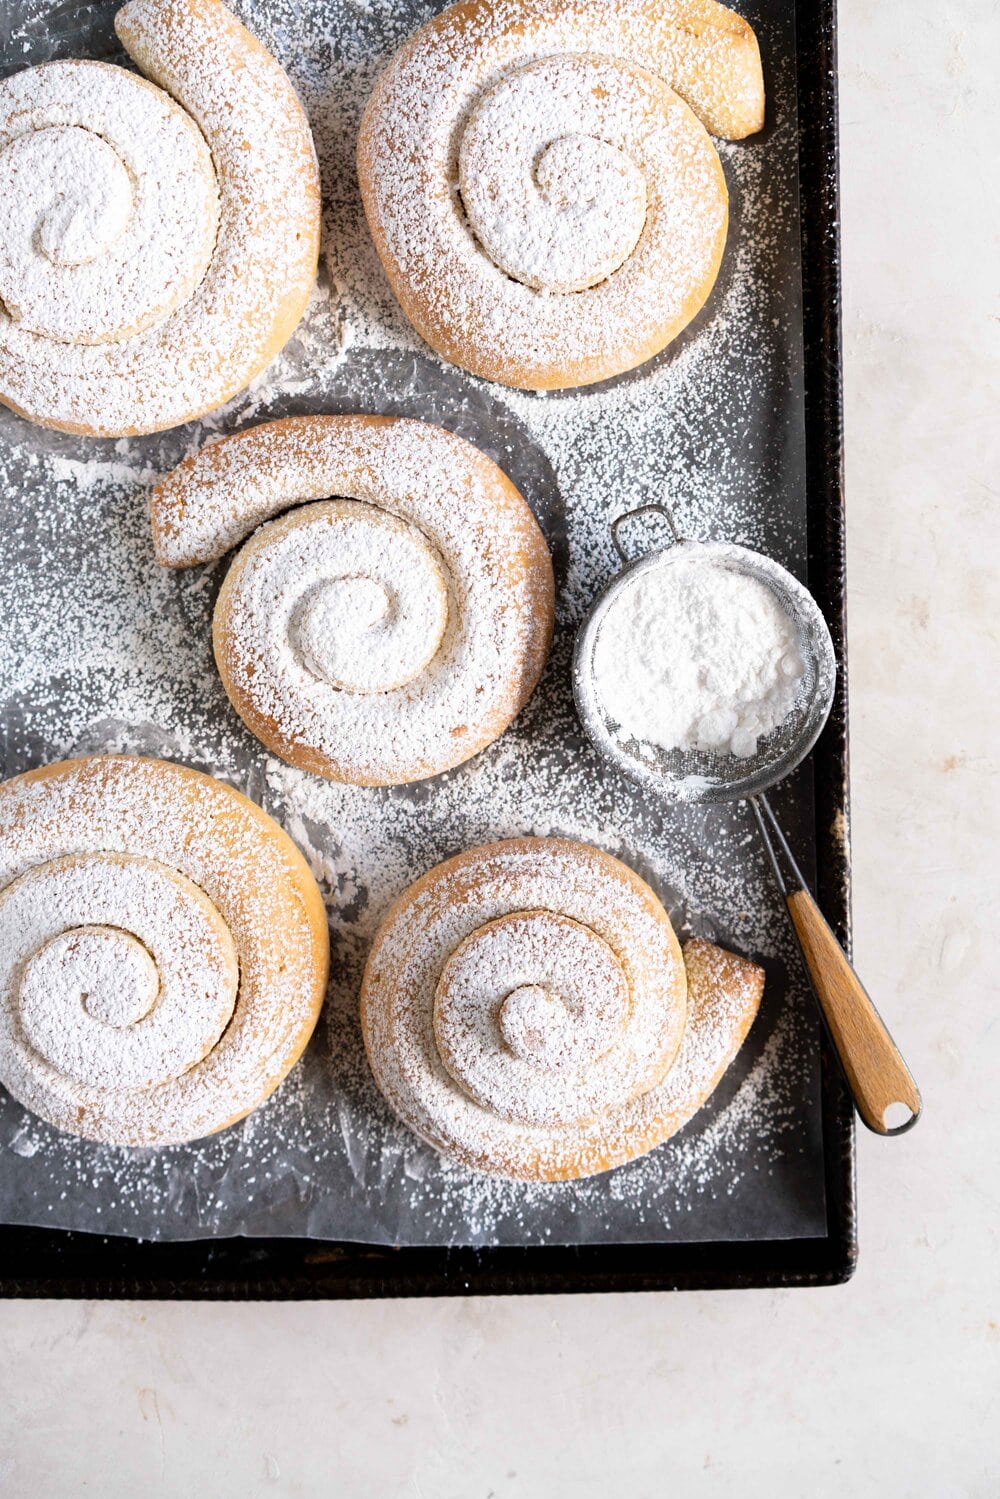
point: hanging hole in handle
(657, 509)
(897, 1118)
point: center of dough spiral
(107, 971)
(108, 206)
(88, 188)
(122, 972)
(531, 1019)
(555, 204)
(375, 608)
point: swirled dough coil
(159, 235)
(163, 950)
(541, 184)
(392, 613)
(527, 1010)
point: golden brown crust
(706, 52)
(132, 811)
(714, 995)
(685, 65)
(454, 499)
(290, 290)
(260, 274)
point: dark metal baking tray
(47, 1263)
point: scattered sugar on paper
(104, 650)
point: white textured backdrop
(889, 1386)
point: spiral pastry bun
(384, 634)
(158, 240)
(528, 1012)
(540, 182)
(163, 950)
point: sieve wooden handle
(876, 1072)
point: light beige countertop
(889, 1386)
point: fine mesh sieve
(699, 775)
(875, 1071)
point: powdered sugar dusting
(106, 1008)
(497, 152)
(460, 637)
(697, 655)
(184, 298)
(106, 650)
(108, 203)
(206, 908)
(448, 957)
(588, 1048)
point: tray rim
(39, 1262)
